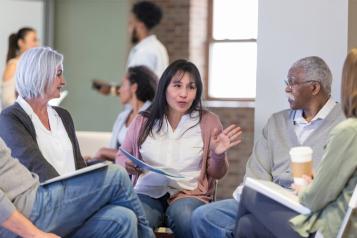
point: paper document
(77, 172)
(144, 166)
(277, 193)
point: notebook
(277, 193)
(77, 172)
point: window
(232, 49)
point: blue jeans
(101, 203)
(178, 213)
(216, 219)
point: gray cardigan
(270, 158)
(19, 134)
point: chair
(351, 205)
(91, 141)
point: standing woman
(19, 42)
(177, 135)
(40, 136)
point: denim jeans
(101, 203)
(216, 219)
(178, 213)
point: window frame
(210, 41)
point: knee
(119, 173)
(121, 215)
(199, 215)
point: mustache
(290, 96)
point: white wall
(15, 14)
(289, 30)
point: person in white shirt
(40, 136)
(176, 134)
(312, 115)
(147, 49)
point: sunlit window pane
(233, 70)
(235, 19)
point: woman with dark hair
(177, 135)
(19, 42)
(327, 195)
(136, 93)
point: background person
(136, 92)
(19, 42)
(147, 49)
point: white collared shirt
(303, 129)
(54, 144)
(151, 53)
(177, 151)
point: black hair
(148, 13)
(156, 112)
(146, 81)
(13, 41)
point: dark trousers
(260, 216)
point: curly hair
(148, 13)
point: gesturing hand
(229, 137)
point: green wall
(92, 36)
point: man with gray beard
(312, 114)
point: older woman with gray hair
(40, 136)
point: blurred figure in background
(147, 50)
(19, 42)
(137, 91)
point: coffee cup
(301, 163)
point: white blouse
(177, 151)
(54, 144)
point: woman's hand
(131, 168)
(299, 188)
(229, 137)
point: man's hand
(22, 226)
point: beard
(134, 37)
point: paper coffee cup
(301, 163)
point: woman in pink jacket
(177, 135)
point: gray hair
(36, 71)
(315, 69)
